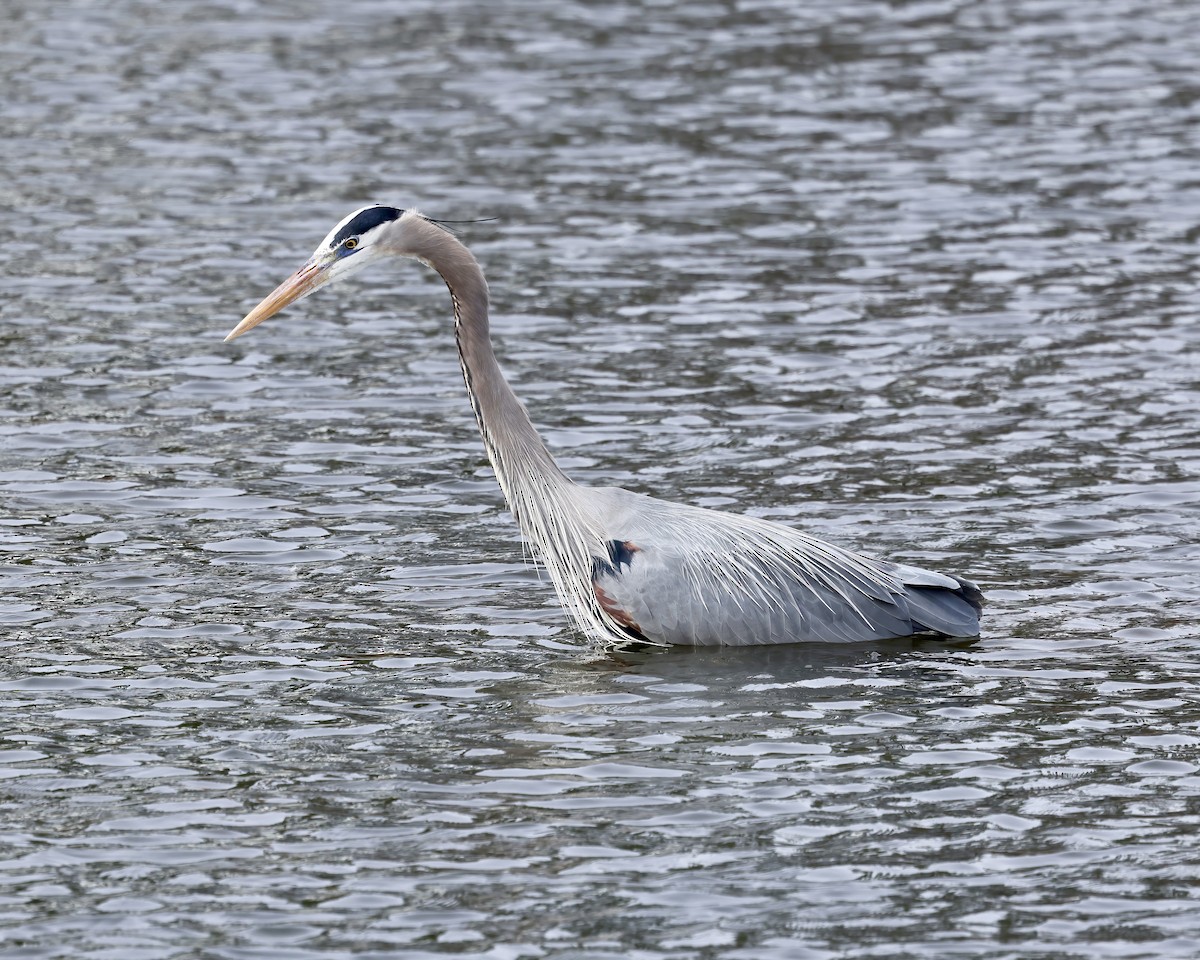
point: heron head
(349, 247)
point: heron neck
(553, 512)
(525, 468)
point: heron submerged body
(629, 567)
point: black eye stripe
(365, 220)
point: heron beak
(304, 281)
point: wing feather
(699, 577)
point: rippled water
(277, 682)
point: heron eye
(351, 243)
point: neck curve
(557, 516)
(525, 469)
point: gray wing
(683, 575)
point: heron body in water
(629, 567)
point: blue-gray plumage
(628, 567)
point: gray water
(917, 277)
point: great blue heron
(628, 567)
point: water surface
(277, 680)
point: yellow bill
(304, 281)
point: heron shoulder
(705, 536)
